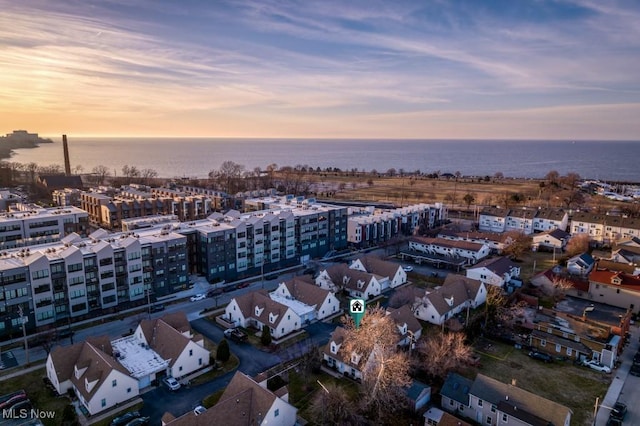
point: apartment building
(110, 210)
(78, 277)
(27, 225)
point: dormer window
(334, 348)
(616, 280)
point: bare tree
(100, 173)
(148, 175)
(443, 352)
(78, 169)
(386, 370)
(498, 176)
(51, 169)
(331, 405)
(130, 172)
(401, 297)
(520, 243)
(579, 243)
(468, 199)
(560, 286)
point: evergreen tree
(223, 353)
(266, 336)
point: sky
(460, 69)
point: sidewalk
(618, 380)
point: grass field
(572, 386)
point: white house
(455, 295)
(520, 220)
(581, 264)
(256, 309)
(389, 274)
(171, 337)
(323, 303)
(555, 239)
(471, 252)
(244, 402)
(409, 329)
(97, 378)
(356, 283)
(497, 271)
(497, 242)
(337, 358)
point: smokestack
(67, 163)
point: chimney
(513, 382)
(67, 164)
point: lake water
(196, 157)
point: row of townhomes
(370, 226)
(488, 401)
(602, 228)
(526, 220)
(459, 252)
(104, 373)
(303, 300)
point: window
(493, 408)
(103, 402)
(276, 413)
(190, 352)
(479, 403)
(488, 420)
(543, 342)
(569, 351)
(505, 418)
(558, 347)
(199, 361)
(180, 369)
(128, 390)
(114, 383)
(451, 402)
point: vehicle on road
(636, 358)
(540, 356)
(614, 422)
(171, 383)
(229, 288)
(199, 410)
(635, 370)
(200, 296)
(618, 411)
(407, 268)
(235, 334)
(594, 365)
(214, 292)
(244, 285)
(271, 277)
(125, 418)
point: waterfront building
(604, 229)
(526, 220)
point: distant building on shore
(22, 136)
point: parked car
(408, 268)
(125, 418)
(271, 276)
(140, 421)
(540, 356)
(171, 383)
(636, 358)
(229, 288)
(63, 333)
(235, 334)
(614, 422)
(594, 365)
(199, 296)
(158, 307)
(214, 292)
(244, 284)
(618, 411)
(199, 410)
(635, 370)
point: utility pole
(23, 320)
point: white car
(199, 410)
(408, 268)
(200, 296)
(171, 383)
(594, 365)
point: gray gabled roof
(457, 388)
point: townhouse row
(601, 228)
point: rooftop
(137, 357)
(296, 306)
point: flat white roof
(295, 305)
(137, 357)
